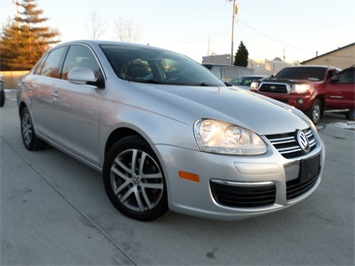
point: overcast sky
(296, 29)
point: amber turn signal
(189, 176)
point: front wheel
(134, 180)
(316, 111)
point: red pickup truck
(311, 89)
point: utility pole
(235, 12)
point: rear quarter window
(51, 65)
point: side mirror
(84, 76)
(334, 79)
(254, 86)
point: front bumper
(238, 187)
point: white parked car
(167, 134)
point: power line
(273, 39)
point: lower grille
(232, 195)
(296, 188)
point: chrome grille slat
(273, 87)
(280, 141)
(287, 145)
(288, 150)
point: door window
(80, 57)
(347, 76)
(39, 66)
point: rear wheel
(134, 180)
(316, 111)
(2, 98)
(29, 137)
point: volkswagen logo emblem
(302, 141)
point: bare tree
(95, 27)
(127, 30)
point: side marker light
(189, 176)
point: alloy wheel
(137, 180)
(27, 131)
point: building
(267, 67)
(261, 67)
(223, 59)
(342, 57)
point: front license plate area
(309, 168)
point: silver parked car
(167, 134)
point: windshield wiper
(151, 81)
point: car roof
(101, 42)
(319, 66)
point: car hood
(292, 81)
(186, 104)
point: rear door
(340, 92)
(41, 87)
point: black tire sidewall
(314, 104)
(2, 98)
(23, 113)
(35, 143)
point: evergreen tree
(241, 57)
(24, 39)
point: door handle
(30, 89)
(55, 95)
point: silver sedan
(167, 134)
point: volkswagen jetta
(167, 134)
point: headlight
(225, 138)
(254, 86)
(300, 88)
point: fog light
(300, 101)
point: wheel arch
(22, 105)
(321, 97)
(119, 134)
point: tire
(134, 181)
(29, 138)
(2, 98)
(315, 113)
(350, 115)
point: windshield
(244, 81)
(149, 65)
(304, 73)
